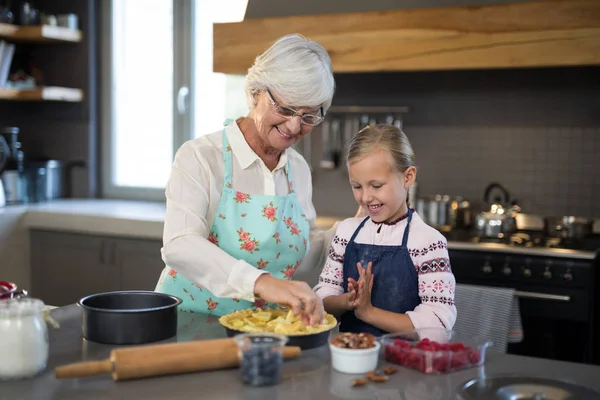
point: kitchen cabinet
(139, 262)
(67, 266)
(530, 34)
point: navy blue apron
(396, 282)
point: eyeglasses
(306, 119)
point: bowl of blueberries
(261, 357)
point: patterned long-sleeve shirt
(429, 253)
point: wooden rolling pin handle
(290, 352)
(89, 368)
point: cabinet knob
(487, 268)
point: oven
(557, 291)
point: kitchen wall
(537, 131)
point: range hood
(516, 35)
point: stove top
(539, 240)
(533, 241)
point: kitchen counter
(309, 376)
(144, 219)
(139, 219)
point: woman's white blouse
(192, 198)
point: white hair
(297, 70)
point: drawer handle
(543, 296)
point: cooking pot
(4, 152)
(568, 228)
(444, 212)
(500, 221)
(9, 290)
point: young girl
(390, 271)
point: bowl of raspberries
(434, 350)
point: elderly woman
(240, 220)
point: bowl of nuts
(354, 353)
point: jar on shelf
(23, 338)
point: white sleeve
(331, 279)
(186, 248)
(436, 287)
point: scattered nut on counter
(380, 378)
(359, 382)
(390, 370)
(369, 375)
(348, 340)
(374, 376)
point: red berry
(474, 357)
(456, 347)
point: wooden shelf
(531, 34)
(46, 93)
(39, 34)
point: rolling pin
(163, 359)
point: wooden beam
(532, 34)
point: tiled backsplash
(536, 131)
(553, 171)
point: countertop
(308, 377)
(144, 219)
(140, 219)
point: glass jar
(23, 338)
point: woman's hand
(364, 286)
(295, 295)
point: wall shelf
(550, 33)
(46, 93)
(39, 34)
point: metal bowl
(129, 317)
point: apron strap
(288, 172)
(227, 160)
(358, 229)
(405, 236)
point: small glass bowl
(261, 357)
(434, 350)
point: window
(157, 84)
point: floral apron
(269, 232)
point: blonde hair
(296, 69)
(386, 137)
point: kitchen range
(552, 263)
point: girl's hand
(350, 295)
(364, 286)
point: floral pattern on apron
(269, 232)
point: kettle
(500, 222)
